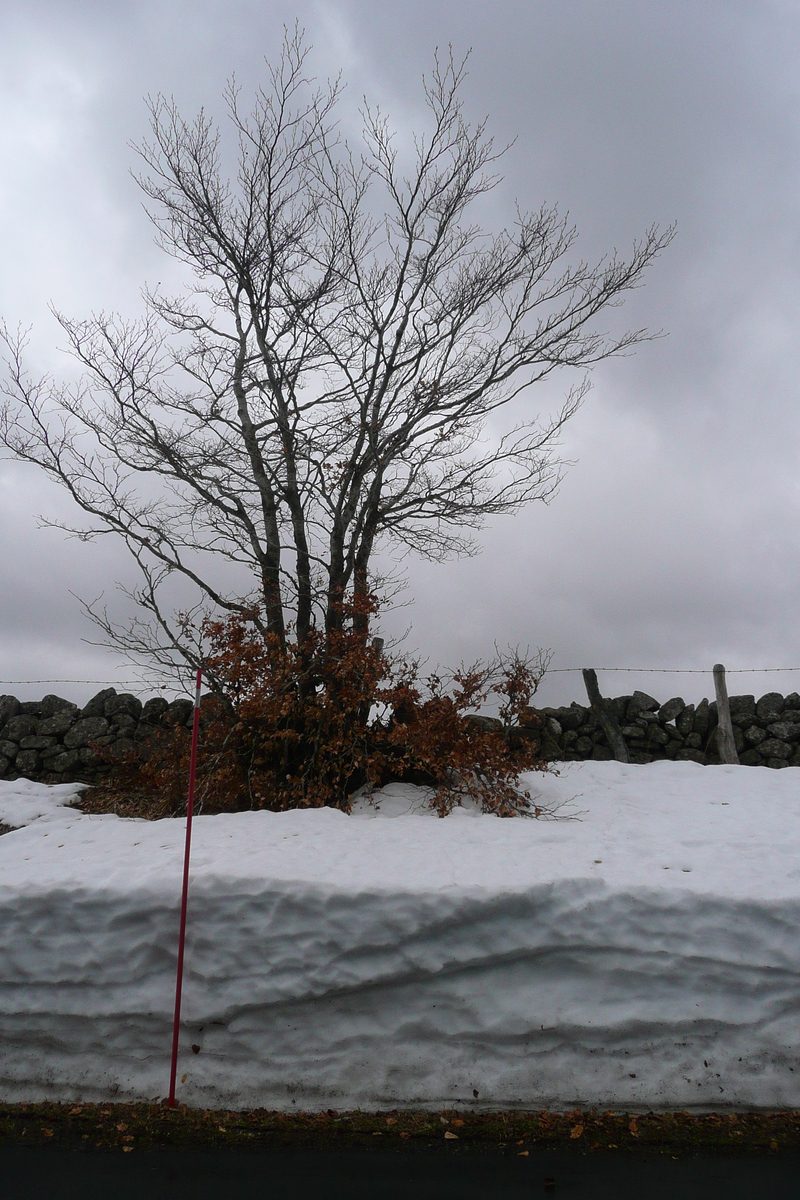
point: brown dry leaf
(405, 1135)
(452, 1136)
(457, 1123)
(576, 1131)
(523, 1153)
(773, 1145)
(184, 1078)
(47, 1132)
(122, 1127)
(127, 1149)
(73, 1112)
(391, 1120)
(633, 1127)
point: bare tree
(327, 381)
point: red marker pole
(185, 894)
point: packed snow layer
(644, 954)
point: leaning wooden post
(608, 722)
(725, 741)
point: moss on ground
(127, 1127)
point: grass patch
(147, 805)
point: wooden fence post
(725, 741)
(608, 722)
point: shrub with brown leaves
(308, 725)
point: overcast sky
(675, 538)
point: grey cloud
(674, 539)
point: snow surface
(644, 954)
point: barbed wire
(674, 670)
(113, 682)
(550, 671)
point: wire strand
(113, 682)
(550, 671)
(674, 670)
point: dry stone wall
(56, 741)
(766, 731)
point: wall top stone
(96, 706)
(53, 704)
(770, 705)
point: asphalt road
(56, 1174)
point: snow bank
(645, 954)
